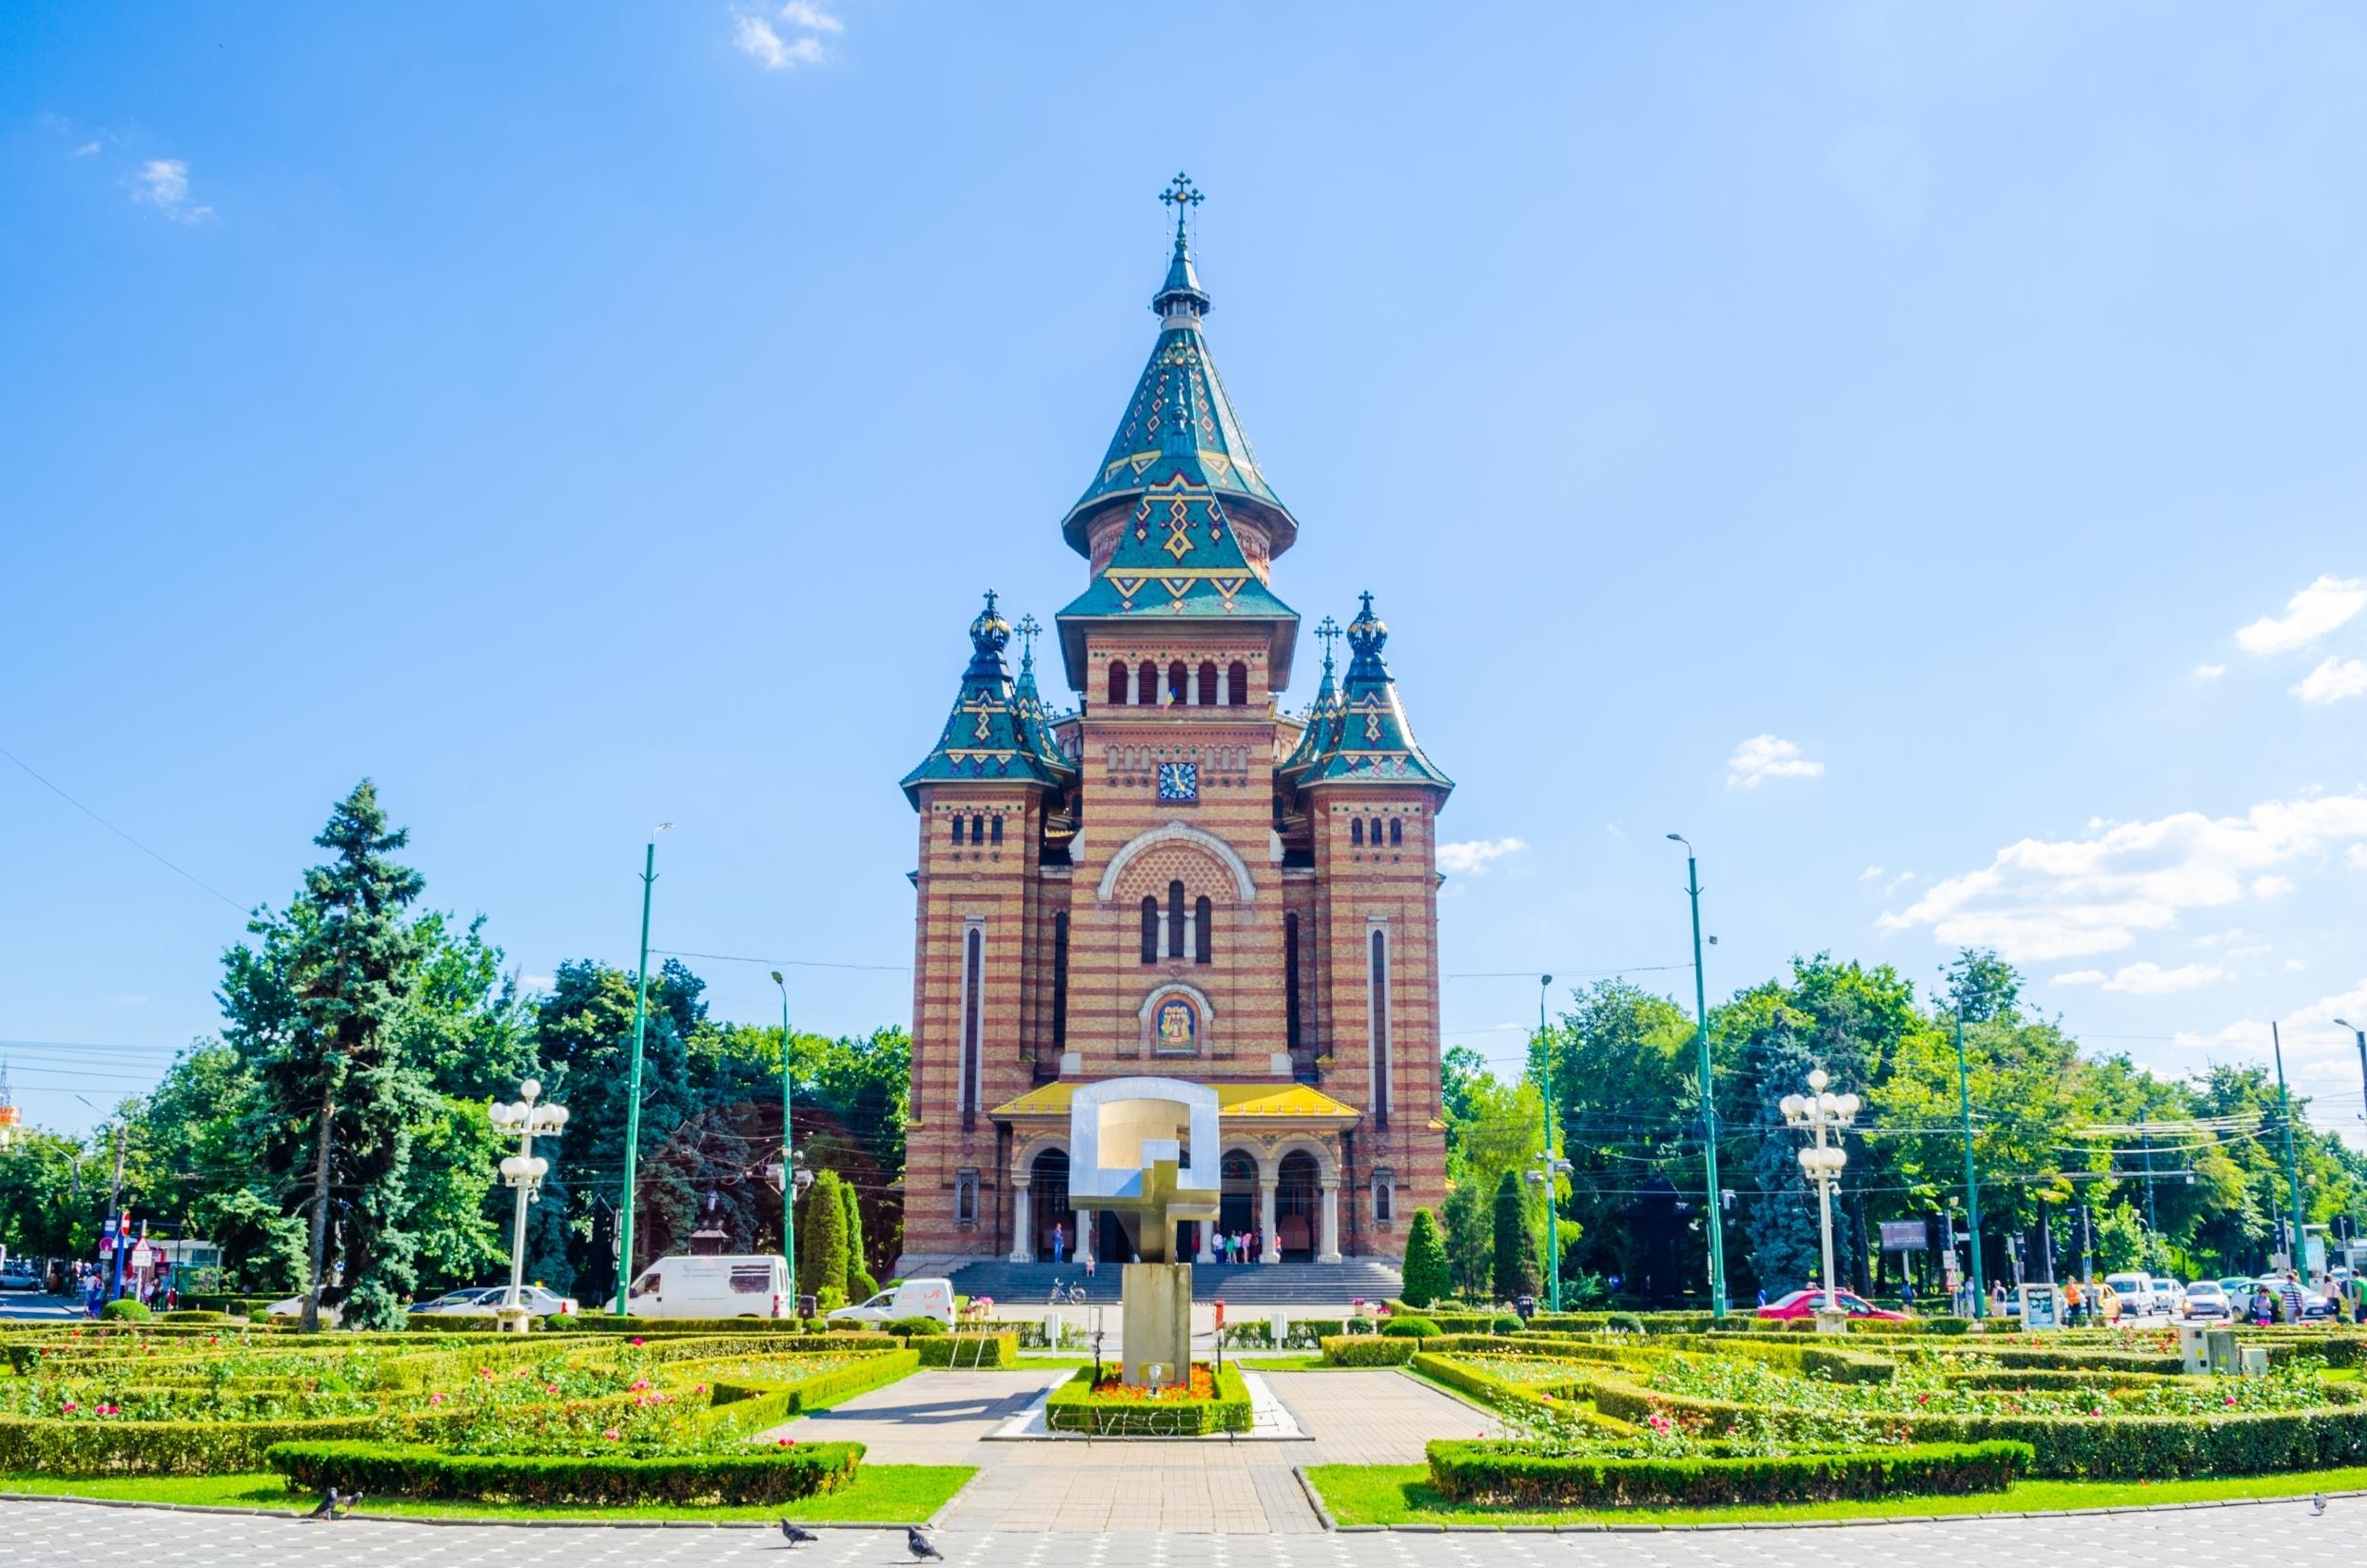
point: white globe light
(498, 1113)
(1817, 1079)
(537, 1166)
(557, 1114)
(1792, 1106)
(531, 1088)
(1848, 1106)
(509, 1165)
(1807, 1158)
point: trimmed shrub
(915, 1328)
(189, 1315)
(1408, 1328)
(1368, 1350)
(124, 1309)
(1511, 1473)
(653, 1329)
(967, 1350)
(156, 1448)
(764, 1474)
(1427, 1279)
(1506, 1322)
(1075, 1407)
(757, 1404)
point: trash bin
(1526, 1306)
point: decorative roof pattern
(998, 730)
(1259, 1100)
(1178, 555)
(1322, 714)
(1368, 739)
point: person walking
(2073, 1301)
(2289, 1296)
(1060, 1243)
(2263, 1305)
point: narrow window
(1384, 1197)
(1179, 693)
(978, 827)
(1150, 929)
(1236, 684)
(1203, 917)
(1397, 832)
(973, 966)
(1208, 683)
(1290, 981)
(1060, 980)
(995, 835)
(1355, 831)
(966, 1196)
(1379, 1004)
(1147, 691)
(957, 827)
(1377, 833)
(1116, 683)
(1175, 919)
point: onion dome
(997, 731)
(1369, 738)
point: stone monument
(1146, 1150)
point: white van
(750, 1286)
(904, 1299)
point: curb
(299, 1517)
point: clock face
(1179, 782)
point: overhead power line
(782, 963)
(186, 876)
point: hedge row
(966, 1350)
(753, 1403)
(606, 1323)
(769, 1474)
(1257, 1333)
(1551, 1400)
(1517, 1474)
(1075, 1407)
(61, 1447)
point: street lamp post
(789, 1218)
(2360, 1035)
(1820, 1112)
(1549, 1165)
(633, 1081)
(1972, 1179)
(2298, 1259)
(1708, 1102)
(526, 1119)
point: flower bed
(1216, 1399)
(1519, 1475)
(414, 1470)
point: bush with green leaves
(412, 1470)
(124, 1309)
(1077, 1405)
(1427, 1278)
(1519, 1475)
(915, 1327)
(1408, 1328)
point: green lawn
(907, 1493)
(1401, 1494)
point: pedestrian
(1060, 1243)
(2074, 1304)
(1907, 1294)
(95, 1296)
(2263, 1305)
(1762, 1295)
(2289, 1296)
(1997, 1299)
(1089, 1265)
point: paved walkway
(2284, 1533)
(1246, 1488)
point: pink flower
(2231, 1398)
(637, 1386)
(72, 1407)
(636, 1339)
(611, 1434)
(786, 1442)
(434, 1399)
(699, 1388)
(550, 1388)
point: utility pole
(2360, 1035)
(1972, 1179)
(1553, 1213)
(320, 1213)
(633, 1082)
(1709, 1102)
(2152, 1220)
(2298, 1256)
(114, 1212)
(789, 1188)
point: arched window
(1377, 833)
(1208, 683)
(1203, 916)
(1290, 981)
(957, 827)
(1355, 831)
(973, 985)
(1146, 685)
(1379, 981)
(978, 827)
(1179, 691)
(1397, 832)
(1117, 682)
(1150, 929)
(1237, 683)
(1175, 919)
(994, 834)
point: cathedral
(1178, 879)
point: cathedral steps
(1238, 1286)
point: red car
(1804, 1304)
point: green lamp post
(1708, 1101)
(633, 1081)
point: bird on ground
(2317, 1503)
(347, 1504)
(918, 1545)
(796, 1537)
(326, 1508)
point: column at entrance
(1208, 1253)
(1329, 1251)
(1023, 1222)
(1271, 1251)
(1085, 1249)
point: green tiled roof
(1322, 716)
(999, 729)
(1367, 739)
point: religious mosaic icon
(1179, 782)
(1177, 1024)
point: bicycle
(1066, 1294)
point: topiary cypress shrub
(124, 1310)
(822, 1242)
(1408, 1328)
(1427, 1279)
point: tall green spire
(1322, 714)
(996, 730)
(1369, 738)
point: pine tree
(1516, 1272)
(822, 1242)
(1426, 1278)
(859, 1283)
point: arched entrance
(1295, 1200)
(1048, 1190)
(1238, 1183)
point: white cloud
(1870, 873)
(2271, 887)
(2150, 979)
(2309, 1032)
(2209, 672)
(1472, 855)
(2296, 966)
(2357, 858)
(164, 183)
(88, 149)
(536, 983)
(1766, 757)
(2215, 939)
(2080, 977)
(2071, 898)
(756, 37)
(2309, 614)
(2251, 949)
(2334, 681)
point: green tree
(1470, 1223)
(822, 1242)
(1426, 1276)
(1516, 1272)
(858, 1284)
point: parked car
(458, 1303)
(719, 1286)
(904, 1299)
(2207, 1299)
(2314, 1305)
(1806, 1304)
(2169, 1297)
(16, 1274)
(294, 1308)
(2136, 1293)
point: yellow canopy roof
(1256, 1101)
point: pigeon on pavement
(796, 1537)
(2317, 1503)
(326, 1508)
(918, 1545)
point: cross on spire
(1182, 195)
(1028, 628)
(1328, 630)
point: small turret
(1369, 737)
(996, 730)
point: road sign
(1905, 1236)
(143, 1258)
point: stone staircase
(1239, 1285)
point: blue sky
(1910, 449)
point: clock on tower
(1179, 782)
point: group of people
(154, 1290)
(1237, 1246)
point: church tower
(1177, 880)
